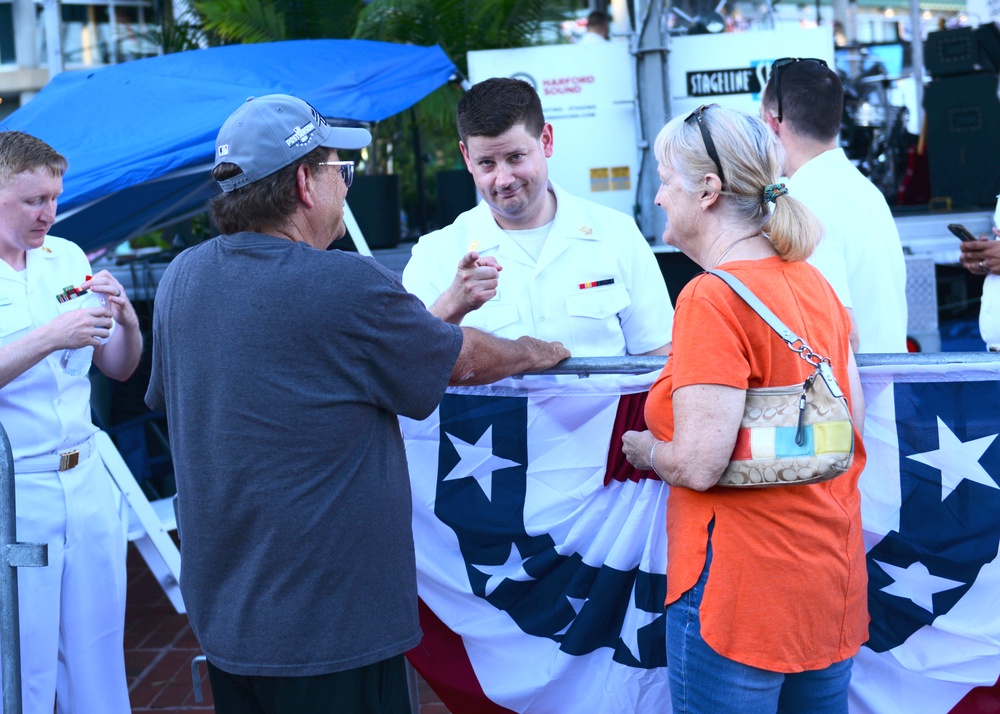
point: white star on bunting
(630, 629)
(915, 583)
(512, 569)
(957, 460)
(478, 461)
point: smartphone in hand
(961, 232)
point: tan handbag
(794, 435)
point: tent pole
(53, 36)
(355, 230)
(917, 57)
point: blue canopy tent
(140, 136)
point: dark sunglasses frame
(776, 71)
(698, 116)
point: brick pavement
(159, 647)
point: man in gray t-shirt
(281, 367)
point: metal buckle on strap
(69, 459)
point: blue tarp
(140, 136)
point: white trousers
(72, 613)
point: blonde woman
(766, 588)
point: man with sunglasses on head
(860, 254)
(282, 367)
(572, 270)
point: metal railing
(15, 555)
(583, 366)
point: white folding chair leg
(150, 531)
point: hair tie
(772, 191)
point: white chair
(149, 523)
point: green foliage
(243, 21)
(149, 240)
(192, 231)
(246, 21)
(458, 26)
(179, 35)
(321, 19)
(436, 111)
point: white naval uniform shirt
(43, 410)
(627, 312)
(989, 313)
(989, 308)
(860, 255)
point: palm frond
(508, 23)
(315, 19)
(396, 21)
(180, 35)
(437, 110)
(243, 20)
(458, 26)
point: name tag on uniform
(5, 300)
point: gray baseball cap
(268, 133)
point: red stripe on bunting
(629, 417)
(442, 661)
(979, 701)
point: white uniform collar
(819, 164)
(37, 257)
(43, 252)
(490, 235)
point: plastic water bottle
(76, 362)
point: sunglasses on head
(776, 71)
(698, 115)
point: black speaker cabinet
(456, 194)
(963, 138)
(963, 50)
(375, 202)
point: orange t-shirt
(787, 590)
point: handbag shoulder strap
(821, 363)
(757, 306)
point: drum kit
(873, 132)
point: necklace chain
(735, 243)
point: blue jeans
(704, 682)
